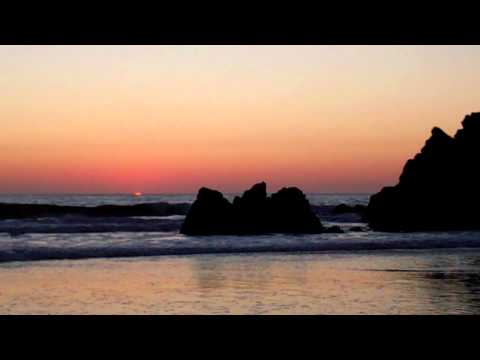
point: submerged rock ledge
(439, 189)
(286, 211)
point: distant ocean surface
(127, 199)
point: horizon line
(166, 193)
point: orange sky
(169, 119)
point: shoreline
(438, 282)
(350, 247)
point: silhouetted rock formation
(438, 189)
(287, 211)
(22, 211)
(251, 208)
(211, 213)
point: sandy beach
(382, 282)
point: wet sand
(380, 282)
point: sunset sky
(170, 119)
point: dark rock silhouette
(211, 213)
(23, 211)
(251, 208)
(287, 211)
(438, 189)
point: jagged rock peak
(435, 185)
(286, 211)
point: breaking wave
(31, 247)
(80, 237)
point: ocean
(143, 265)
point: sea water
(74, 237)
(143, 265)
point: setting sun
(172, 119)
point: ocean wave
(326, 214)
(34, 247)
(75, 223)
(33, 211)
(82, 224)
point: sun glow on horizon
(171, 119)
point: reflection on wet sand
(407, 282)
(459, 290)
(215, 272)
